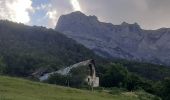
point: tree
(163, 89)
(135, 82)
(116, 75)
(2, 66)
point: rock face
(125, 41)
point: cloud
(76, 5)
(16, 10)
(55, 8)
(150, 14)
(140, 4)
(52, 15)
(42, 6)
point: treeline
(150, 71)
(117, 75)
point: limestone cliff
(127, 41)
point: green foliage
(162, 89)
(116, 75)
(2, 66)
(147, 70)
(135, 82)
(25, 49)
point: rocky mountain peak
(79, 22)
(131, 27)
(124, 24)
(125, 41)
(79, 13)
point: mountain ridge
(125, 41)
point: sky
(149, 14)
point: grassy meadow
(20, 89)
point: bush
(58, 79)
(116, 75)
(162, 89)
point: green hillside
(25, 49)
(19, 89)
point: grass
(20, 89)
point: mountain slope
(19, 89)
(24, 49)
(125, 41)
